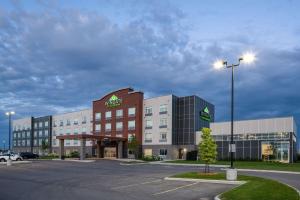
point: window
(15, 143)
(67, 142)
(68, 122)
(75, 142)
(54, 133)
(46, 133)
(83, 130)
(35, 134)
(163, 152)
(148, 137)
(163, 109)
(28, 142)
(131, 125)
(98, 116)
(35, 125)
(131, 111)
(40, 124)
(40, 133)
(119, 126)
(75, 122)
(68, 131)
(163, 137)
(75, 131)
(61, 132)
(148, 111)
(54, 142)
(108, 115)
(163, 123)
(149, 124)
(61, 123)
(98, 127)
(35, 142)
(119, 113)
(130, 137)
(46, 124)
(54, 123)
(108, 127)
(84, 120)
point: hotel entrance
(110, 152)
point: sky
(58, 56)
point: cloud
(62, 59)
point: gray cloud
(62, 59)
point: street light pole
(247, 58)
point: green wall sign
(114, 101)
(205, 114)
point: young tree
(207, 149)
(44, 146)
(133, 145)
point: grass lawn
(255, 188)
(251, 165)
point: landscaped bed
(262, 165)
(255, 188)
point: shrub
(298, 157)
(151, 158)
(74, 154)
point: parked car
(28, 155)
(15, 157)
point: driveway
(102, 179)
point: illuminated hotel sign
(114, 101)
(205, 114)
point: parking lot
(103, 179)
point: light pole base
(8, 162)
(231, 174)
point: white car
(14, 157)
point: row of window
(119, 126)
(163, 109)
(41, 124)
(119, 114)
(69, 122)
(68, 131)
(22, 135)
(253, 136)
(162, 152)
(163, 123)
(36, 142)
(162, 137)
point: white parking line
(144, 183)
(171, 190)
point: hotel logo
(205, 115)
(114, 101)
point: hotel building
(72, 123)
(171, 123)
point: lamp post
(247, 58)
(3, 145)
(9, 114)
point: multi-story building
(22, 135)
(30, 133)
(171, 124)
(73, 123)
(260, 139)
(42, 133)
(117, 117)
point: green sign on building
(205, 115)
(114, 101)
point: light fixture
(218, 64)
(248, 57)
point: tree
(133, 145)
(44, 146)
(207, 148)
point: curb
(206, 181)
(129, 164)
(189, 165)
(270, 171)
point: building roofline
(291, 117)
(129, 88)
(71, 112)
